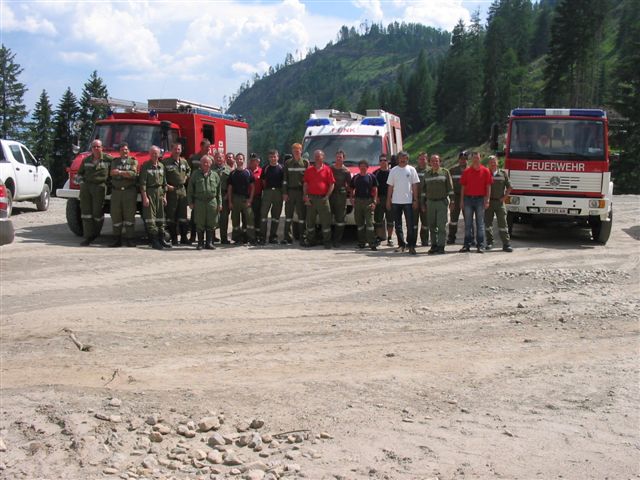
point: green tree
(571, 70)
(41, 130)
(13, 113)
(93, 87)
(367, 101)
(626, 171)
(419, 96)
(64, 117)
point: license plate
(557, 211)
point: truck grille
(556, 181)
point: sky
(192, 50)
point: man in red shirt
(318, 183)
(475, 193)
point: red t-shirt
(475, 181)
(318, 181)
(257, 186)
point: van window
(17, 154)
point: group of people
(216, 186)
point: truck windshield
(355, 148)
(139, 137)
(557, 138)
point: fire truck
(361, 137)
(159, 122)
(558, 162)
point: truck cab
(558, 163)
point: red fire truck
(558, 162)
(159, 122)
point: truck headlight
(596, 203)
(513, 200)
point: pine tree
(41, 130)
(94, 87)
(64, 117)
(367, 101)
(419, 96)
(13, 113)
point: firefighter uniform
(382, 218)
(123, 199)
(194, 164)
(364, 205)
(92, 176)
(272, 176)
(292, 186)
(456, 174)
(338, 201)
(496, 207)
(420, 215)
(205, 193)
(178, 173)
(223, 172)
(240, 181)
(437, 186)
(318, 183)
(256, 205)
(152, 179)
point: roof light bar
(558, 112)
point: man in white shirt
(403, 196)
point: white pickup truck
(24, 177)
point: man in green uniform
(271, 178)
(421, 216)
(153, 183)
(240, 192)
(364, 197)
(205, 199)
(500, 189)
(177, 170)
(437, 186)
(294, 169)
(92, 177)
(194, 164)
(338, 199)
(223, 170)
(124, 177)
(456, 174)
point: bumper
(559, 207)
(67, 193)
(7, 233)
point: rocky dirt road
(381, 365)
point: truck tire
(74, 219)
(601, 231)
(510, 219)
(42, 203)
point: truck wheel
(601, 231)
(74, 219)
(42, 203)
(510, 219)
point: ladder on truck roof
(126, 105)
(175, 105)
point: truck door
(236, 138)
(37, 180)
(24, 173)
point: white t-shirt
(402, 179)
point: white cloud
(436, 13)
(78, 57)
(248, 69)
(372, 9)
(29, 23)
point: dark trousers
(473, 207)
(407, 209)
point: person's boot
(129, 242)
(200, 240)
(208, 244)
(173, 233)
(163, 241)
(184, 239)
(192, 237)
(433, 250)
(155, 242)
(117, 242)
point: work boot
(117, 242)
(163, 241)
(184, 240)
(193, 233)
(465, 249)
(507, 248)
(440, 250)
(173, 234)
(412, 251)
(86, 242)
(129, 242)
(208, 244)
(200, 241)
(433, 250)
(155, 242)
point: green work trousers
(176, 209)
(319, 208)
(239, 210)
(338, 203)
(271, 202)
(455, 216)
(421, 217)
(295, 204)
(205, 214)
(123, 211)
(497, 208)
(437, 221)
(92, 208)
(364, 220)
(382, 218)
(223, 219)
(154, 214)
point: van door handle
(17, 169)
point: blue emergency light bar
(318, 122)
(558, 112)
(374, 121)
